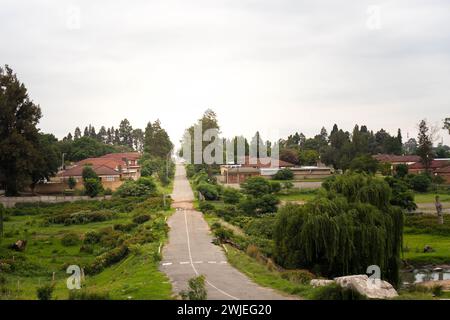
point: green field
(413, 249)
(430, 197)
(298, 195)
(134, 276)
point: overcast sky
(274, 66)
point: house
(109, 177)
(250, 167)
(396, 159)
(311, 172)
(444, 172)
(418, 167)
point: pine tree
(425, 147)
(77, 134)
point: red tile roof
(107, 162)
(78, 171)
(395, 158)
(124, 155)
(435, 164)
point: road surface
(190, 252)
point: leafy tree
(89, 173)
(138, 140)
(71, 182)
(364, 163)
(447, 125)
(77, 134)
(442, 151)
(401, 170)
(259, 205)
(410, 146)
(19, 137)
(425, 148)
(47, 164)
(157, 143)
(91, 182)
(86, 147)
(402, 195)
(284, 174)
(348, 227)
(126, 133)
(102, 135)
(256, 186)
(308, 157)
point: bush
(81, 217)
(231, 195)
(205, 206)
(126, 227)
(91, 237)
(208, 190)
(336, 292)
(298, 276)
(284, 174)
(92, 187)
(70, 239)
(71, 182)
(143, 187)
(364, 164)
(401, 171)
(256, 186)
(107, 259)
(45, 292)
(420, 182)
(141, 218)
(275, 186)
(223, 234)
(264, 204)
(197, 289)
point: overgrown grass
(430, 197)
(299, 195)
(135, 277)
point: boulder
(320, 282)
(373, 289)
(19, 245)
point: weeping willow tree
(348, 227)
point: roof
(443, 170)
(435, 164)
(78, 171)
(242, 170)
(263, 162)
(123, 155)
(107, 162)
(396, 158)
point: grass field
(47, 255)
(414, 244)
(430, 197)
(303, 195)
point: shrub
(71, 182)
(70, 239)
(197, 289)
(205, 206)
(143, 187)
(364, 163)
(275, 186)
(81, 217)
(401, 170)
(107, 259)
(420, 182)
(92, 187)
(284, 174)
(298, 276)
(208, 190)
(141, 218)
(223, 234)
(336, 292)
(45, 292)
(91, 237)
(253, 251)
(125, 227)
(256, 186)
(264, 204)
(231, 195)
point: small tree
(364, 163)
(71, 182)
(284, 174)
(45, 292)
(425, 148)
(401, 171)
(231, 196)
(256, 186)
(197, 290)
(92, 187)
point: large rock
(320, 282)
(373, 289)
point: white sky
(279, 65)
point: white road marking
(167, 263)
(223, 262)
(192, 264)
(184, 262)
(211, 261)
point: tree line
(28, 156)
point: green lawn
(414, 244)
(430, 197)
(304, 195)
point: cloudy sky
(275, 66)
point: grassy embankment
(135, 276)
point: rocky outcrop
(372, 289)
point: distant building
(444, 172)
(418, 167)
(396, 159)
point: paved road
(190, 252)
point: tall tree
(126, 133)
(48, 162)
(19, 137)
(447, 125)
(157, 142)
(425, 147)
(102, 135)
(77, 134)
(138, 140)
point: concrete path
(190, 252)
